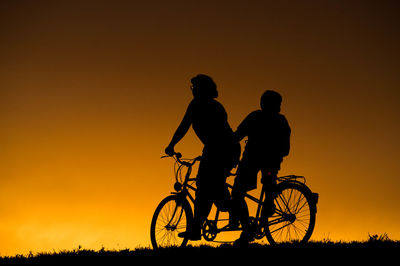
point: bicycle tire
(172, 216)
(296, 208)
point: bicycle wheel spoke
(279, 228)
(285, 204)
(304, 205)
(282, 204)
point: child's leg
(269, 182)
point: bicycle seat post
(260, 202)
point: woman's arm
(180, 131)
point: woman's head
(204, 87)
(271, 101)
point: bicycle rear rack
(292, 178)
(315, 196)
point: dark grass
(376, 248)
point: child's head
(271, 102)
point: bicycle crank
(210, 230)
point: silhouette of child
(268, 142)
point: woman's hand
(170, 150)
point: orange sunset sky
(92, 91)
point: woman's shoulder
(209, 103)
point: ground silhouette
(375, 249)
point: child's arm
(243, 129)
(286, 131)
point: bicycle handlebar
(177, 156)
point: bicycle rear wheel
(294, 217)
(172, 216)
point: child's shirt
(268, 135)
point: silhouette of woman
(221, 151)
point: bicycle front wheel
(294, 217)
(172, 216)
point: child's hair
(271, 101)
